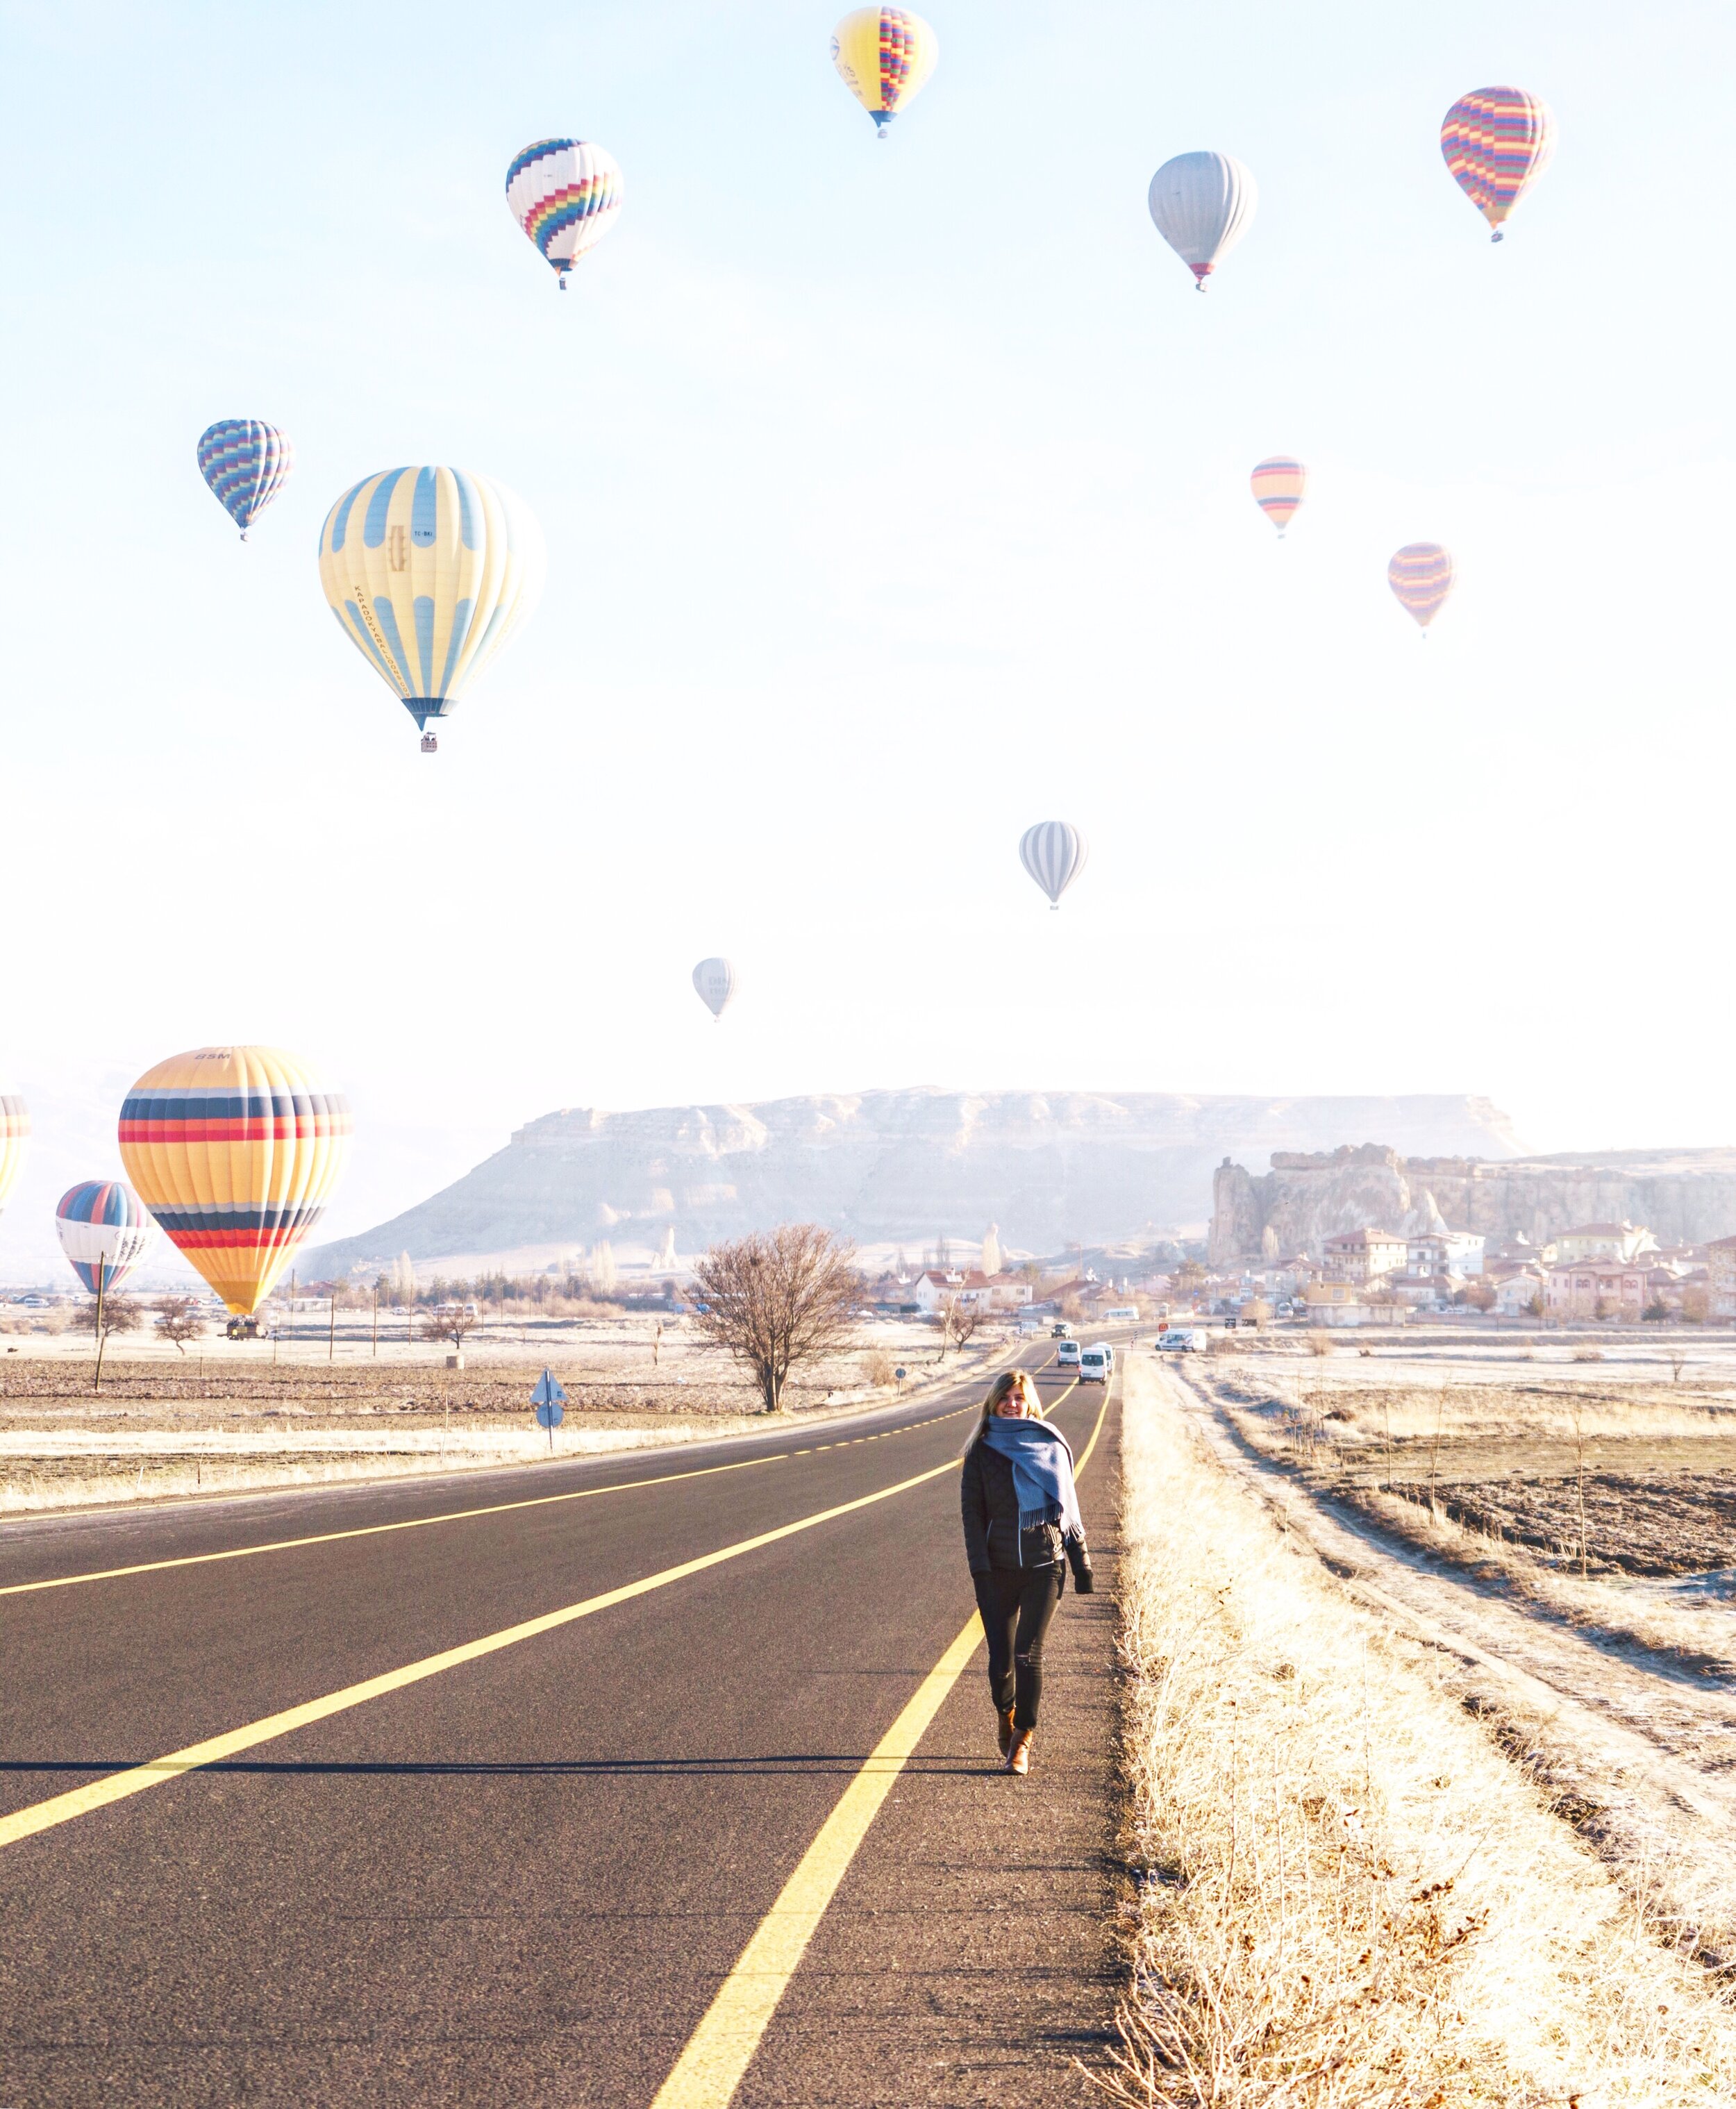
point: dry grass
(1369, 1408)
(1352, 1899)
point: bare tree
(178, 1319)
(451, 1321)
(105, 1314)
(777, 1299)
(961, 1320)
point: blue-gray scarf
(1042, 1472)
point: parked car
(1185, 1340)
(1096, 1365)
(1066, 1355)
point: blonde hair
(1008, 1382)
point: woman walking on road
(1020, 1517)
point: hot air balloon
(884, 54)
(1202, 205)
(1279, 483)
(429, 572)
(715, 980)
(246, 464)
(1421, 574)
(1053, 852)
(15, 1132)
(235, 1151)
(1497, 141)
(564, 193)
(104, 1232)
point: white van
(1095, 1365)
(1066, 1355)
(1188, 1339)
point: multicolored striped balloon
(566, 194)
(1278, 484)
(1053, 852)
(14, 1135)
(246, 464)
(1497, 141)
(1421, 575)
(430, 571)
(104, 1232)
(885, 55)
(235, 1151)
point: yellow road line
(719, 2051)
(63, 1807)
(421, 1522)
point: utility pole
(102, 1273)
(377, 1318)
(331, 1337)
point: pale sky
(896, 497)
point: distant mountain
(1050, 1169)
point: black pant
(1017, 1605)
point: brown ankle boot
(1018, 1758)
(1003, 1729)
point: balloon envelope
(566, 194)
(235, 1151)
(246, 464)
(430, 571)
(885, 55)
(1202, 204)
(1421, 575)
(1496, 141)
(1053, 852)
(1278, 484)
(104, 1232)
(715, 980)
(15, 1132)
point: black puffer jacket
(992, 1538)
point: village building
(1516, 1294)
(1622, 1241)
(1444, 1252)
(1598, 1289)
(1361, 1256)
(1720, 1278)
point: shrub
(1319, 1343)
(876, 1369)
(1588, 1353)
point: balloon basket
(430, 745)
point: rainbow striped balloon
(1278, 484)
(1421, 575)
(1497, 141)
(235, 1151)
(884, 56)
(246, 464)
(15, 1134)
(104, 1232)
(566, 194)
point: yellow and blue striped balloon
(429, 571)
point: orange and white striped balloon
(1278, 484)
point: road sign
(548, 1399)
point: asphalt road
(525, 1876)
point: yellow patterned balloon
(884, 54)
(235, 1151)
(15, 1133)
(429, 572)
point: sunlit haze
(896, 497)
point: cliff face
(1048, 1168)
(1685, 1196)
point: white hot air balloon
(715, 980)
(1202, 205)
(1053, 852)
